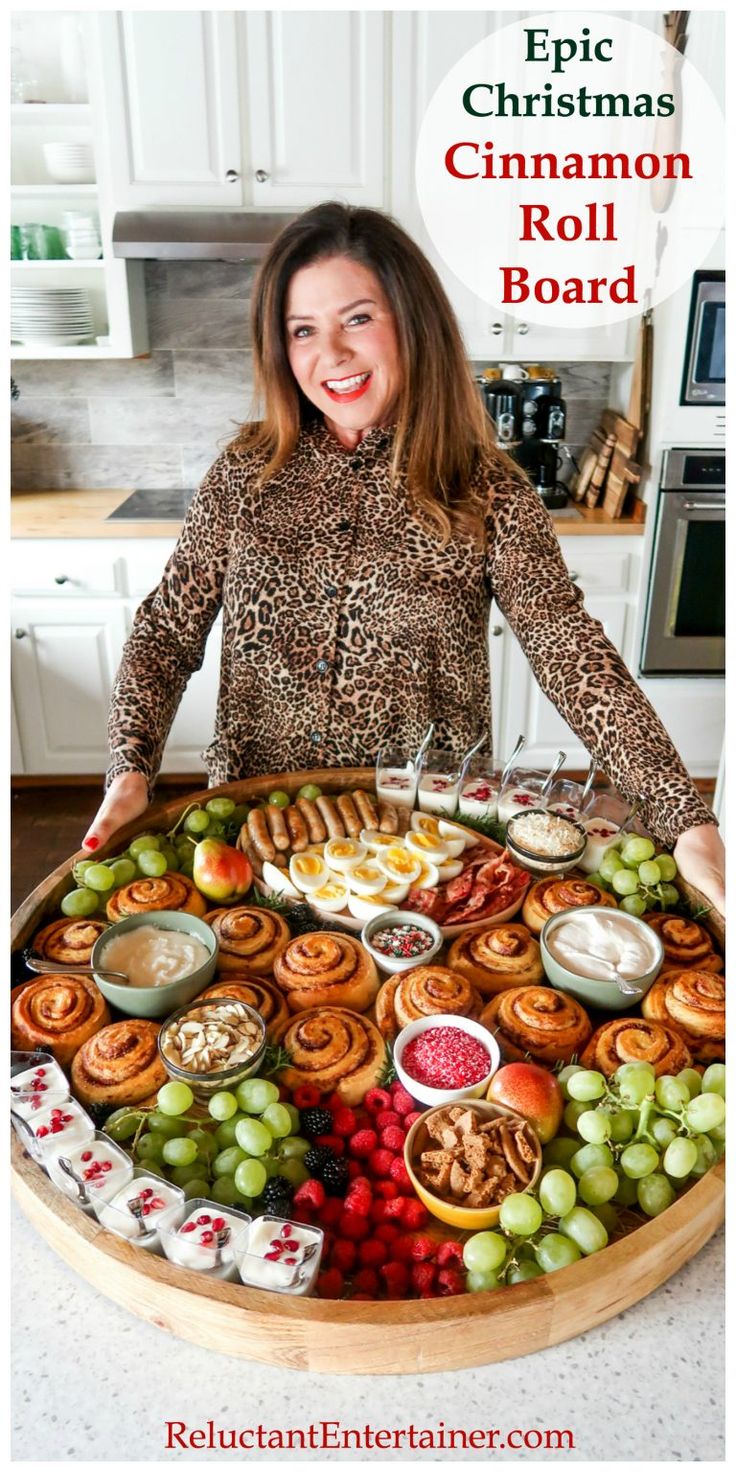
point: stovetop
(158, 505)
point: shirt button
(322, 666)
(316, 738)
(331, 592)
(344, 525)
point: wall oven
(685, 625)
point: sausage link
(260, 836)
(346, 809)
(297, 829)
(315, 827)
(388, 818)
(333, 821)
(367, 811)
(277, 826)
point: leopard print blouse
(347, 628)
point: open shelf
(64, 265)
(45, 191)
(43, 351)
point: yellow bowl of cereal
(463, 1159)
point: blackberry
(335, 1176)
(313, 1122)
(277, 1195)
(316, 1159)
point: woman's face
(342, 345)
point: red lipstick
(350, 398)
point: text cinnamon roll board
(392, 1290)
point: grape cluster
(639, 880)
(249, 1139)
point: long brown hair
(443, 434)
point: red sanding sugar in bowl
(446, 1058)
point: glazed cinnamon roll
(551, 896)
(636, 1040)
(169, 892)
(686, 943)
(57, 1013)
(335, 1050)
(498, 957)
(250, 938)
(425, 991)
(537, 1020)
(325, 968)
(66, 942)
(264, 996)
(694, 1004)
(119, 1065)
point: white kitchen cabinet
(314, 83)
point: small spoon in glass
(65, 1164)
(588, 784)
(425, 743)
(467, 759)
(521, 743)
(51, 968)
(554, 769)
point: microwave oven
(704, 368)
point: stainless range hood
(195, 235)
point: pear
(220, 872)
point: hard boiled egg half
(279, 882)
(343, 854)
(454, 838)
(427, 845)
(366, 878)
(365, 906)
(332, 896)
(308, 871)
(399, 865)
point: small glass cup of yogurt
(56, 1130)
(201, 1235)
(565, 799)
(100, 1166)
(601, 834)
(137, 1207)
(36, 1083)
(396, 778)
(439, 782)
(279, 1255)
(522, 789)
(481, 785)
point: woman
(354, 539)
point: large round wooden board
(350, 1338)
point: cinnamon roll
(537, 1020)
(57, 1013)
(119, 1065)
(498, 957)
(636, 1040)
(694, 1004)
(335, 1050)
(250, 938)
(66, 942)
(425, 991)
(685, 942)
(325, 968)
(169, 892)
(551, 896)
(264, 996)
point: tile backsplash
(160, 421)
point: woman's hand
(701, 859)
(126, 798)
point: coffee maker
(530, 415)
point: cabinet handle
(21, 633)
(262, 176)
(62, 578)
(496, 631)
(574, 577)
(522, 329)
(232, 176)
(497, 328)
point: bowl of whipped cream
(603, 957)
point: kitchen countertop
(56, 514)
(93, 1383)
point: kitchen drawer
(144, 565)
(66, 568)
(603, 570)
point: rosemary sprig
(388, 1072)
(275, 1059)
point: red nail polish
(91, 842)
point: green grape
(705, 1112)
(171, 856)
(225, 1132)
(595, 1126)
(152, 864)
(294, 1117)
(163, 1124)
(663, 1131)
(633, 904)
(557, 1192)
(626, 1191)
(637, 850)
(294, 1170)
(310, 790)
(225, 1192)
(294, 1148)
(174, 1098)
(205, 1142)
(255, 1094)
(638, 1161)
(591, 1157)
(272, 1165)
(524, 1272)
(79, 870)
(181, 1175)
(573, 1111)
(610, 863)
(680, 1157)
(250, 1177)
(220, 807)
(566, 1073)
(279, 798)
(150, 1147)
(197, 821)
(520, 1214)
(181, 1151)
(608, 1215)
(555, 1251)
(671, 1092)
(598, 1185)
(143, 844)
(650, 873)
(669, 895)
(123, 870)
(584, 1229)
(99, 878)
(484, 1252)
(199, 1186)
(625, 881)
(481, 1282)
(714, 1079)
(227, 1162)
(623, 1125)
(635, 1081)
(239, 813)
(654, 1194)
(223, 1105)
(559, 1152)
(706, 1155)
(216, 829)
(278, 1120)
(123, 1123)
(692, 1079)
(586, 1085)
(667, 867)
(598, 879)
(156, 1168)
(253, 1137)
(79, 902)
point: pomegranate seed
(277, 1244)
(67, 1118)
(147, 1193)
(40, 1073)
(207, 1237)
(291, 1245)
(273, 1256)
(157, 1204)
(188, 1227)
(218, 1223)
(56, 1127)
(41, 1088)
(106, 1165)
(145, 1211)
(87, 1155)
(41, 1132)
(88, 1174)
(203, 1220)
(56, 1114)
(286, 1230)
(290, 1261)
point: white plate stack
(58, 315)
(69, 163)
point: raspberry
(334, 1101)
(387, 1233)
(380, 1162)
(331, 1212)
(343, 1121)
(396, 1279)
(392, 1138)
(400, 1100)
(387, 1189)
(410, 1119)
(354, 1169)
(413, 1214)
(423, 1275)
(330, 1284)
(362, 1143)
(372, 1253)
(344, 1254)
(401, 1250)
(449, 1281)
(359, 1197)
(394, 1209)
(398, 1173)
(311, 1194)
(386, 1118)
(304, 1215)
(353, 1226)
(307, 1097)
(367, 1282)
(376, 1100)
(422, 1248)
(331, 1142)
(449, 1254)
(378, 1211)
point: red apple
(220, 872)
(531, 1091)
